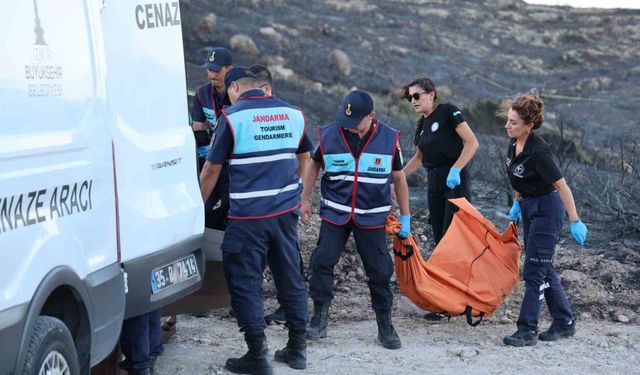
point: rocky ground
(585, 63)
(601, 285)
(603, 292)
(201, 346)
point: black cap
(355, 106)
(236, 73)
(217, 58)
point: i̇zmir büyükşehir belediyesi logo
(44, 76)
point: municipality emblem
(518, 171)
(434, 127)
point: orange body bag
(471, 270)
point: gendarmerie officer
(360, 157)
(542, 197)
(261, 138)
(208, 103)
(265, 83)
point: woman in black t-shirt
(445, 145)
(542, 197)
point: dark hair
(529, 108)
(247, 82)
(262, 73)
(424, 82)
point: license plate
(174, 273)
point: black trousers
(141, 341)
(372, 247)
(440, 210)
(248, 246)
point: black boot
(255, 361)
(522, 337)
(295, 353)
(558, 331)
(317, 328)
(386, 333)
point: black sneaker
(277, 316)
(558, 331)
(434, 317)
(522, 337)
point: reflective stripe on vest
(263, 180)
(209, 114)
(367, 179)
(263, 193)
(343, 208)
(210, 107)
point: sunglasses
(416, 96)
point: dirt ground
(602, 282)
(201, 346)
(603, 293)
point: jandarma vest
(210, 106)
(357, 187)
(263, 180)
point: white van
(100, 211)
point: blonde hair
(529, 108)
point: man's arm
(209, 178)
(414, 163)
(197, 115)
(303, 160)
(303, 154)
(402, 191)
(309, 180)
(221, 146)
(197, 125)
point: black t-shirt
(356, 143)
(533, 172)
(436, 136)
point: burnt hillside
(584, 62)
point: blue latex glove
(579, 231)
(453, 179)
(203, 151)
(405, 220)
(514, 212)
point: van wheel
(51, 349)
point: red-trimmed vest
(263, 179)
(358, 188)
